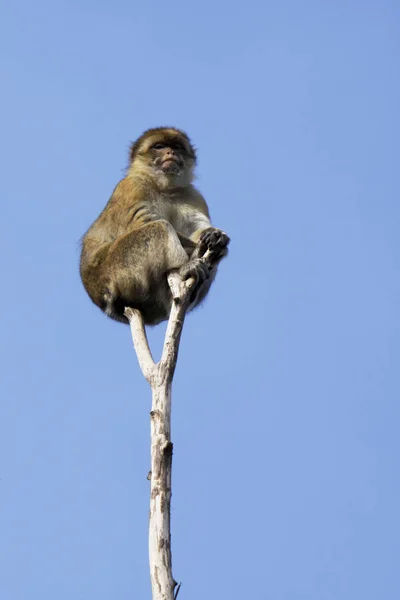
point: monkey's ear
(194, 152)
(133, 148)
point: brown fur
(155, 221)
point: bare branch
(180, 293)
(160, 377)
(139, 337)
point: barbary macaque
(154, 222)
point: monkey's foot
(194, 269)
(213, 244)
(197, 270)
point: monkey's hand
(213, 245)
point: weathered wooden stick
(160, 377)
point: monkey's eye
(158, 146)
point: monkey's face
(168, 154)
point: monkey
(156, 221)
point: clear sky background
(286, 397)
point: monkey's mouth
(170, 166)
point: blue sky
(286, 396)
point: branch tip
(140, 342)
(177, 590)
(129, 312)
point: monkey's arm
(188, 244)
(203, 237)
(191, 221)
(193, 228)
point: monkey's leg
(210, 249)
(136, 271)
(197, 268)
